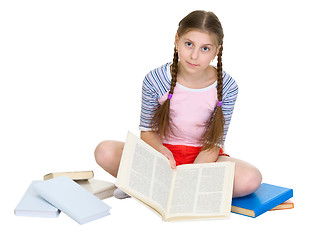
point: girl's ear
(176, 41)
(217, 50)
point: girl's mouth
(192, 65)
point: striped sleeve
(155, 85)
(230, 92)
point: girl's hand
(153, 139)
(208, 156)
(169, 155)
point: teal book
(72, 199)
(265, 198)
(32, 205)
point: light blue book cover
(32, 205)
(265, 198)
(72, 199)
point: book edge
(89, 173)
(243, 211)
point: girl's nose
(194, 54)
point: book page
(145, 173)
(162, 183)
(210, 190)
(184, 191)
(202, 190)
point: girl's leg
(108, 155)
(247, 178)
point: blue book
(72, 199)
(265, 198)
(32, 205)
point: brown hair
(206, 21)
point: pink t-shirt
(190, 109)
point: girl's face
(196, 49)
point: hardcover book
(32, 205)
(80, 175)
(72, 199)
(99, 188)
(285, 205)
(265, 198)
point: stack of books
(76, 194)
(267, 197)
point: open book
(191, 191)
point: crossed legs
(247, 178)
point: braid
(219, 74)
(174, 71)
(215, 126)
(161, 119)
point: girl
(187, 105)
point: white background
(71, 75)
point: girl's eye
(205, 49)
(188, 44)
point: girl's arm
(207, 156)
(153, 139)
(230, 93)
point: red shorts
(187, 154)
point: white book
(32, 205)
(99, 188)
(72, 199)
(189, 192)
(79, 175)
